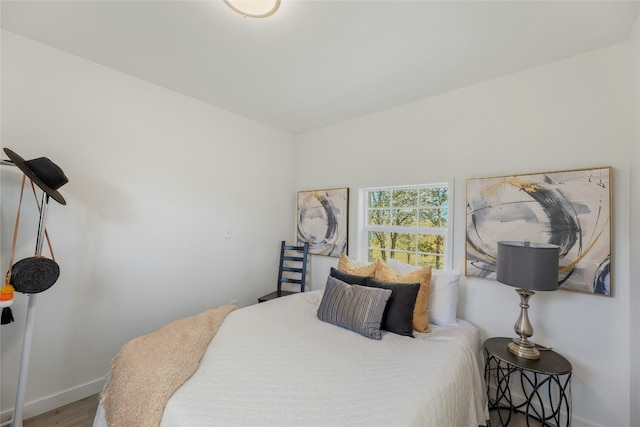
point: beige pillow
(346, 265)
(423, 276)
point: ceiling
(316, 63)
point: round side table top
(550, 362)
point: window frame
(364, 228)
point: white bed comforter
(276, 364)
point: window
(409, 224)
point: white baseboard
(37, 407)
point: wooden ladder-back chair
(292, 270)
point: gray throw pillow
(354, 307)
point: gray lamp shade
(525, 265)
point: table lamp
(528, 267)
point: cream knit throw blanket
(149, 369)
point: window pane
(379, 217)
(432, 260)
(403, 242)
(436, 196)
(379, 242)
(433, 217)
(405, 217)
(444, 211)
(407, 197)
(375, 254)
(431, 243)
(379, 199)
(406, 257)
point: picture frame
(571, 208)
(323, 221)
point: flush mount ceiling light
(254, 8)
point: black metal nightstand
(542, 388)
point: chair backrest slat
(293, 259)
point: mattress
(277, 364)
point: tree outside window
(409, 224)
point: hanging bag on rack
(30, 275)
(34, 274)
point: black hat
(43, 172)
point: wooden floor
(82, 412)
(76, 414)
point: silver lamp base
(522, 347)
(524, 351)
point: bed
(277, 364)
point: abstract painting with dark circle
(323, 220)
(571, 209)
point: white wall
(153, 178)
(568, 114)
(634, 197)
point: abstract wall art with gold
(571, 209)
(323, 220)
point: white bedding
(276, 364)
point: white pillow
(359, 263)
(400, 267)
(443, 301)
